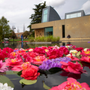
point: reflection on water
(28, 45)
(51, 80)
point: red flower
(71, 84)
(86, 52)
(30, 73)
(85, 59)
(79, 48)
(53, 53)
(72, 67)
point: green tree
(5, 27)
(0, 33)
(37, 16)
(26, 33)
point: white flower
(85, 49)
(67, 46)
(30, 49)
(73, 51)
(5, 87)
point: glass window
(45, 12)
(74, 15)
(48, 31)
(67, 16)
(79, 14)
(45, 18)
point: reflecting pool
(84, 44)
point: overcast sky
(19, 11)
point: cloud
(86, 6)
(55, 3)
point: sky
(19, 11)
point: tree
(26, 33)
(37, 16)
(13, 35)
(5, 27)
(0, 33)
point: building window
(48, 31)
(45, 12)
(74, 15)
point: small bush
(46, 39)
(31, 39)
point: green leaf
(27, 82)
(11, 72)
(78, 55)
(19, 73)
(45, 86)
(4, 79)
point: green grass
(18, 40)
(39, 39)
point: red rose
(30, 73)
(79, 48)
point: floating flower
(85, 52)
(30, 50)
(71, 84)
(73, 58)
(73, 52)
(85, 59)
(5, 87)
(79, 48)
(72, 67)
(13, 62)
(51, 63)
(3, 67)
(30, 73)
(39, 59)
(23, 66)
(39, 50)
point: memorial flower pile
(30, 62)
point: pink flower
(71, 84)
(85, 59)
(86, 52)
(73, 58)
(13, 62)
(39, 59)
(23, 66)
(3, 67)
(72, 67)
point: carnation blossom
(39, 59)
(30, 73)
(13, 62)
(72, 67)
(71, 84)
(5, 87)
(85, 59)
(3, 67)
